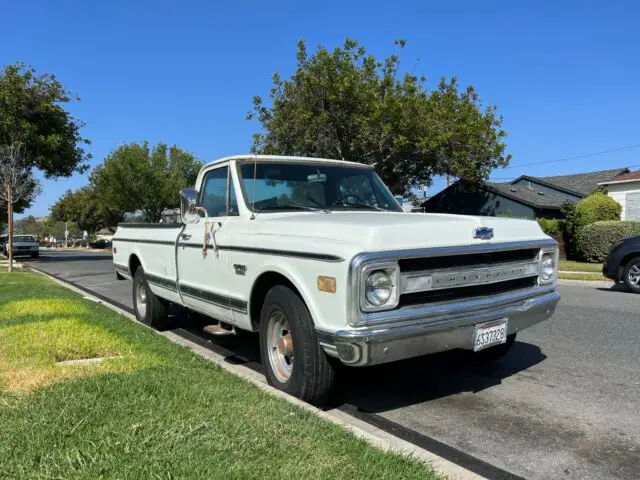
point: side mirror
(188, 204)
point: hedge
(597, 207)
(594, 241)
(551, 226)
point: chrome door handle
(185, 236)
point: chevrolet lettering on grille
(475, 277)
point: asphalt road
(564, 403)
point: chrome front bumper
(384, 343)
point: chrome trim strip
(476, 270)
(432, 311)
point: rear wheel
(291, 355)
(631, 275)
(492, 354)
(149, 308)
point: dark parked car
(623, 263)
(100, 244)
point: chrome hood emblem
(483, 233)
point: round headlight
(378, 288)
(547, 267)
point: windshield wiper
(342, 203)
(291, 206)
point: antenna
(253, 195)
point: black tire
(492, 354)
(627, 275)
(312, 376)
(156, 311)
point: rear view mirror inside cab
(317, 178)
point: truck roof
(287, 158)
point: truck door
(202, 273)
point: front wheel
(631, 275)
(149, 308)
(291, 355)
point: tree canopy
(86, 210)
(136, 177)
(32, 113)
(347, 104)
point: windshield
(295, 186)
(24, 238)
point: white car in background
(22, 245)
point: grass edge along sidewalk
(148, 408)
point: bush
(594, 241)
(597, 207)
(551, 226)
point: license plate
(490, 333)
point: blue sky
(565, 75)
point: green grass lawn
(150, 409)
(572, 266)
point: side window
(213, 196)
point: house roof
(627, 177)
(529, 196)
(106, 231)
(581, 184)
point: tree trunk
(10, 233)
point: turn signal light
(327, 284)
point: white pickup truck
(318, 257)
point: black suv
(623, 263)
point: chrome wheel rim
(280, 346)
(141, 300)
(634, 275)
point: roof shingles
(583, 183)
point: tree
(346, 104)
(29, 225)
(85, 209)
(16, 183)
(136, 177)
(38, 130)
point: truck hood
(378, 231)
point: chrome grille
(461, 277)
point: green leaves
(135, 177)
(32, 113)
(346, 104)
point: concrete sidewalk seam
(371, 434)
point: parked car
(102, 244)
(23, 245)
(317, 256)
(623, 263)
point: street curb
(371, 434)
(586, 283)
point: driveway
(564, 403)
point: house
(106, 233)
(625, 189)
(525, 197)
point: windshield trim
(249, 206)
